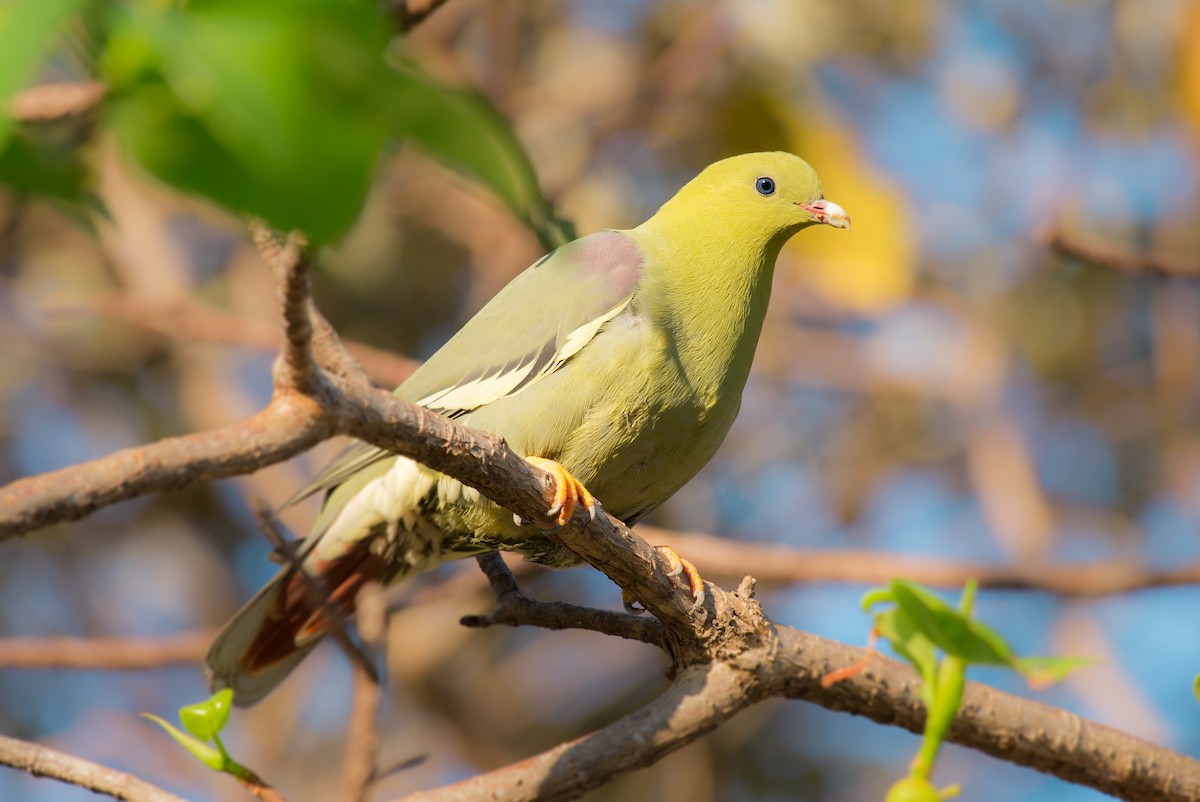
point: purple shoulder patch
(612, 257)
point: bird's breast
(652, 431)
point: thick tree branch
(290, 425)
(790, 663)
(1018, 730)
(42, 761)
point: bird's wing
(541, 319)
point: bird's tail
(284, 621)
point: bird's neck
(710, 298)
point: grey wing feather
(355, 457)
(544, 316)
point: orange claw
(678, 566)
(568, 491)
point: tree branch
(1018, 730)
(120, 654)
(42, 761)
(290, 425)
(514, 609)
(1102, 254)
(362, 739)
(724, 557)
(791, 663)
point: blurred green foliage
(464, 130)
(25, 31)
(278, 109)
(266, 107)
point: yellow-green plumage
(621, 355)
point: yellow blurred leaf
(871, 267)
(1189, 66)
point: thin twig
(362, 740)
(257, 786)
(514, 608)
(295, 367)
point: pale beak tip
(828, 213)
(836, 216)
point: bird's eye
(765, 186)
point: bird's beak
(828, 213)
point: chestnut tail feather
(297, 617)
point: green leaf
(465, 131)
(940, 713)
(268, 107)
(206, 719)
(32, 166)
(206, 754)
(876, 596)
(1196, 687)
(26, 29)
(899, 630)
(1040, 672)
(919, 789)
(951, 630)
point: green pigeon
(617, 361)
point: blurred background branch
(123, 654)
(1101, 254)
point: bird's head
(765, 196)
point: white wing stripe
(478, 392)
(584, 334)
(486, 389)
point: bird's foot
(569, 492)
(678, 566)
